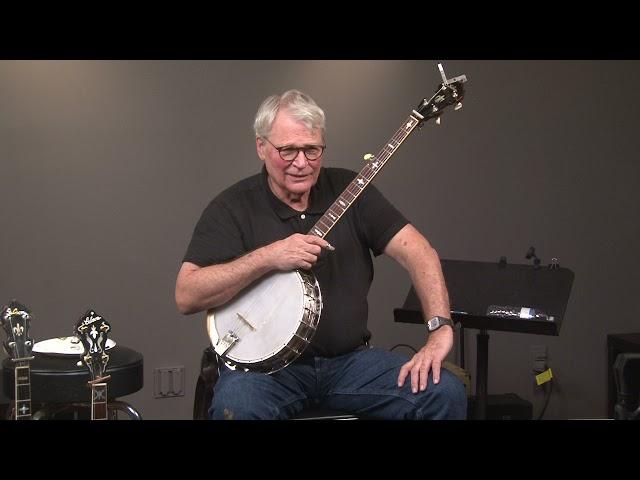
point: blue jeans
(364, 382)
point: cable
(403, 345)
(546, 400)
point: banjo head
(267, 325)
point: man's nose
(300, 161)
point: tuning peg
(368, 156)
(438, 120)
(458, 106)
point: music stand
(474, 286)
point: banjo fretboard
(23, 390)
(324, 225)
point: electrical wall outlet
(168, 382)
(538, 358)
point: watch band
(436, 322)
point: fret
(327, 220)
(353, 189)
(22, 385)
(335, 209)
(23, 392)
(99, 401)
(333, 214)
(345, 197)
(22, 374)
(410, 123)
(23, 410)
(326, 225)
(99, 411)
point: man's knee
(445, 401)
(232, 398)
(235, 407)
(242, 396)
(455, 393)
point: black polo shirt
(248, 215)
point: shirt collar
(319, 200)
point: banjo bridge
(246, 322)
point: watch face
(433, 324)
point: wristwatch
(436, 322)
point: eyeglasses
(289, 153)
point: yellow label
(544, 377)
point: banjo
(92, 330)
(16, 320)
(269, 324)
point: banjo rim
(284, 355)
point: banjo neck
(16, 321)
(22, 377)
(99, 398)
(449, 92)
(375, 163)
(92, 330)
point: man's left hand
(429, 357)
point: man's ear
(260, 146)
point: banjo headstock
(92, 330)
(16, 320)
(449, 92)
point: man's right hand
(199, 288)
(297, 251)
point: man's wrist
(434, 323)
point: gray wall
(107, 165)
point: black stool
(59, 384)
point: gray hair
(298, 104)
